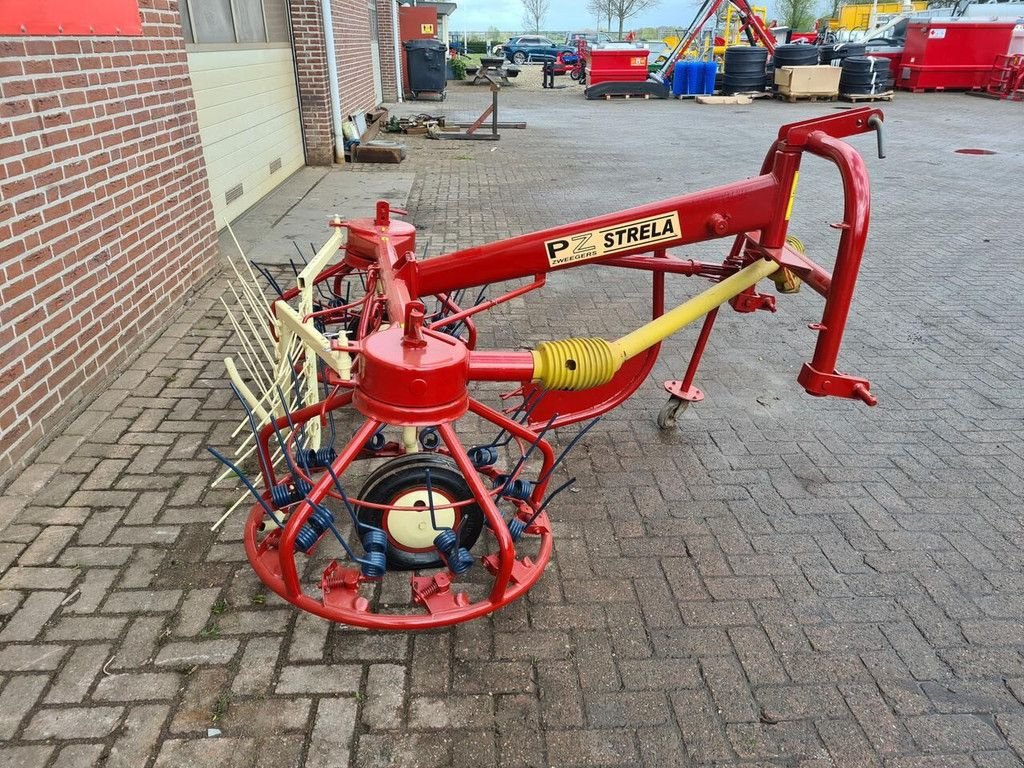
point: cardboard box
(821, 80)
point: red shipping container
(949, 54)
(415, 23)
(610, 65)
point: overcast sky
(565, 15)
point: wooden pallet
(855, 97)
(793, 98)
(734, 99)
(626, 96)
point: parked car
(520, 50)
(499, 49)
(590, 37)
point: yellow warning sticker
(598, 243)
(792, 195)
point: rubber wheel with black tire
(518, 57)
(402, 482)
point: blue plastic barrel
(695, 78)
(710, 71)
(679, 78)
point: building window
(374, 26)
(234, 21)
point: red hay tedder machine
(403, 356)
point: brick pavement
(780, 581)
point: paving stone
(140, 642)
(9, 553)
(309, 638)
(78, 756)
(385, 701)
(9, 602)
(425, 750)
(626, 709)
(73, 723)
(17, 699)
(954, 733)
(142, 601)
(86, 628)
(702, 730)
(77, 676)
(234, 622)
(39, 577)
(142, 567)
(256, 670)
(25, 757)
(451, 712)
(331, 741)
(92, 590)
(47, 546)
(206, 753)
(519, 736)
(258, 718)
(141, 686)
(561, 699)
(585, 747)
(205, 694)
(188, 654)
(493, 677)
(430, 665)
(28, 622)
(280, 751)
(195, 611)
(319, 678)
(31, 658)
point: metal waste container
(426, 64)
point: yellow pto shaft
(584, 363)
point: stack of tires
(793, 55)
(745, 69)
(834, 54)
(865, 76)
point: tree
(627, 9)
(797, 14)
(601, 10)
(534, 12)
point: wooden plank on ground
(739, 98)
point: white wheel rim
(411, 528)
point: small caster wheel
(411, 528)
(429, 439)
(671, 411)
(378, 441)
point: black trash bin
(426, 64)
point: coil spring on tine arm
(517, 489)
(458, 559)
(319, 521)
(483, 455)
(316, 458)
(516, 527)
(375, 565)
(284, 494)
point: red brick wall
(311, 72)
(385, 12)
(355, 66)
(105, 215)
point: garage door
(243, 77)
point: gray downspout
(398, 51)
(332, 80)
